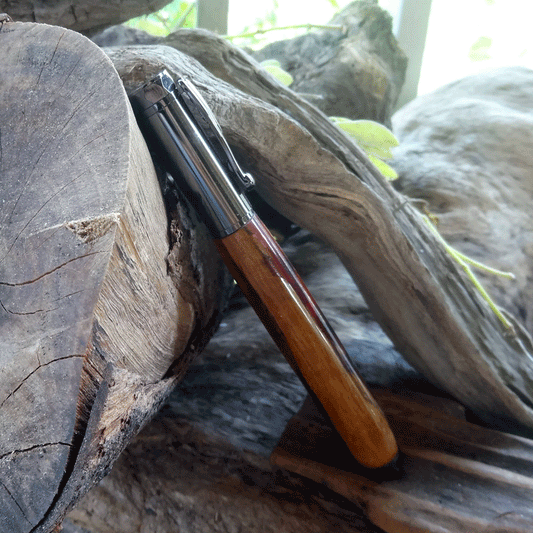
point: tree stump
(98, 316)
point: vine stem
(464, 261)
(280, 28)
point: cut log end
(94, 331)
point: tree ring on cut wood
(94, 330)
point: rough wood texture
(454, 476)
(467, 150)
(223, 420)
(84, 16)
(177, 477)
(312, 173)
(90, 318)
(356, 72)
(202, 465)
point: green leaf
(148, 24)
(388, 172)
(273, 67)
(480, 50)
(162, 22)
(373, 137)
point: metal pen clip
(207, 123)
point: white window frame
(410, 28)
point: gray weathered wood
(453, 475)
(85, 16)
(226, 416)
(353, 69)
(176, 476)
(356, 71)
(94, 310)
(312, 173)
(467, 150)
(219, 426)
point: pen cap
(198, 163)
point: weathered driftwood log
(178, 477)
(232, 400)
(467, 149)
(224, 419)
(122, 35)
(356, 71)
(455, 476)
(84, 16)
(312, 173)
(93, 314)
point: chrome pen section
(186, 134)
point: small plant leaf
(388, 172)
(273, 67)
(465, 261)
(373, 137)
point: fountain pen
(183, 132)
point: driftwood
(306, 168)
(467, 150)
(177, 477)
(313, 174)
(353, 69)
(84, 16)
(94, 316)
(220, 425)
(454, 476)
(202, 464)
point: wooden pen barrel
(302, 333)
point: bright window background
(244, 13)
(469, 36)
(464, 36)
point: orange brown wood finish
(302, 333)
